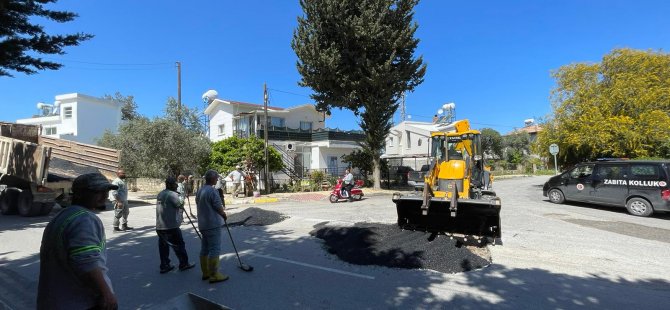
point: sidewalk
(150, 197)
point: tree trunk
(376, 173)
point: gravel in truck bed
(389, 246)
(64, 169)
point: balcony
(290, 134)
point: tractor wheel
(333, 198)
(8, 201)
(26, 205)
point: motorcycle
(337, 194)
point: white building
(77, 117)
(408, 143)
(298, 133)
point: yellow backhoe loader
(457, 198)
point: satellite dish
(529, 121)
(41, 105)
(209, 96)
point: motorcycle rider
(348, 184)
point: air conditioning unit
(291, 146)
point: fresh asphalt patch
(389, 246)
(255, 217)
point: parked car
(416, 178)
(642, 187)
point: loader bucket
(475, 221)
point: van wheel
(639, 207)
(556, 196)
(8, 201)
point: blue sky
(492, 58)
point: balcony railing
(291, 134)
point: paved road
(554, 256)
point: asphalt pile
(389, 246)
(255, 217)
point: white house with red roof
(299, 133)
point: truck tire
(26, 205)
(639, 207)
(46, 208)
(8, 200)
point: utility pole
(267, 159)
(179, 92)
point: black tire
(26, 205)
(8, 201)
(357, 197)
(639, 207)
(46, 208)
(556, 196)
(333, 198)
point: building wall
(90, 118)
(400, 145)
(93, 119)
(222, 116)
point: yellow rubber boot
(214, 274)
(204, 268)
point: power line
(110, 64)
(288, 92)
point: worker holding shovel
(168, 208)
(211, 218)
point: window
(418, 142)
(50, 131)
(409, 139)
(581, 172)
(307, 126)
(277, 121)
(612, 172)
(391, 141)
(644, 171)
(222, 130)
(67, 112)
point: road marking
(313, 266)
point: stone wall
(146, 185)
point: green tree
(619, 107)
(129, 109)
(228, 153)
(158, 148)
(362, 160)
(187, 117)
(21, 38)
(492, 143)
(516, 146)
(359, 55)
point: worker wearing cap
(169, 205)
(119, 198)
(73, 255)
(211, 217)
(236, 176)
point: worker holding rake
(211, 218)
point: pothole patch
(255, 217)
(389, 246)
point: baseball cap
(92, 181)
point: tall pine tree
(359, 55)
(20, 36)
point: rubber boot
(204, 268)
(214, 274)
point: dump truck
(24, 166)
(36, 172)
(457, 200)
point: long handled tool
(196, 230)
(244, 267)
(189, 207)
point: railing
(290, 134)
(289, 168)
